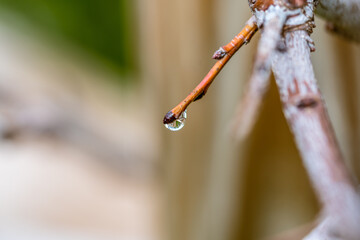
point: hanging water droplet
(178, 123)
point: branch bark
(343, 16)
(259, 81)
(306, 114)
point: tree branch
(307, 117)
(343, 16)
(285, 45)
(306, 114)
(258, 84)
(224, 54)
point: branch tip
(223, 55)
(169, 117)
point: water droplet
(178, 123)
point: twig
(243, 37)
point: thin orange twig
(223, 54)
(237, 41)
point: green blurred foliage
(103, 28)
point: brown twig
(242, 38)
(230, 49)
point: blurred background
(84, 86)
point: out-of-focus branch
(258, 84)
(343, 16)
(294, 234)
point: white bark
(343, 16)
(307, 117)
(258, 84)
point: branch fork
(284, 47)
